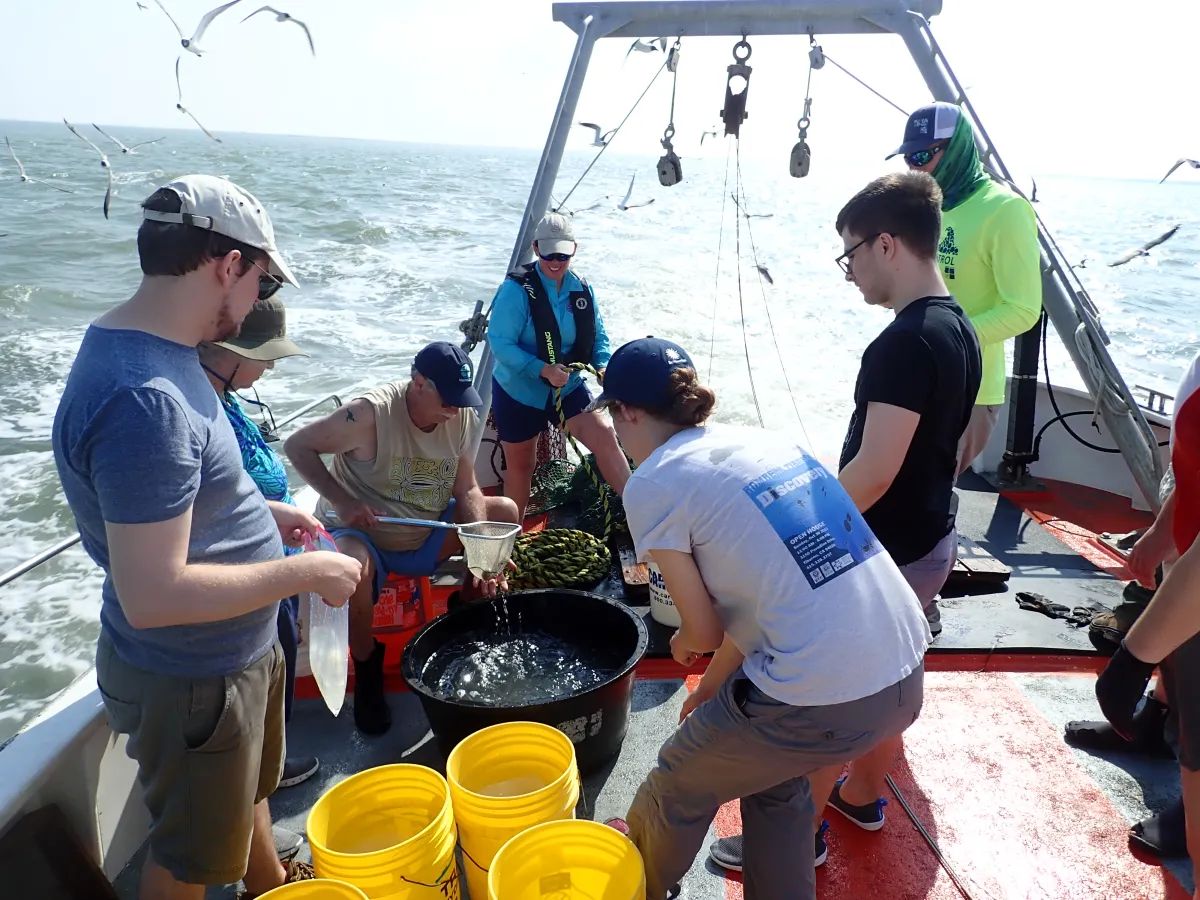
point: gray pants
(744, 744)
(927, 575)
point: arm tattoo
(349, 416)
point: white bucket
(662, 608)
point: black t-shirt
(926, 361)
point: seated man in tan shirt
(401, 450)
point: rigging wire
(901, 109)
(766, 305)
(712, 341)
(616, 131)
(741, 301)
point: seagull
(192, 44)
(1194, 163)
(1144, 250)
(734, 198)
(125, 149)
(286, 17)
(762, 270)
(104, 164)
(142, 6)
(179, 104)
(641, 47)
(625, 204)
(705, 134)
(1033, 196)
(600, 140)
(25, 177)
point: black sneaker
(372, 715)
(1163, 834)
(868, 817)
(297, 769)
(728, 853)
(1149, 723)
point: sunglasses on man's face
(557, 257)
(268, 284)
(923, 157)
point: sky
(1088, 87)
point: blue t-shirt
(263, 463)
(514, 344)
(140, 436)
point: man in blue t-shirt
(188, 662)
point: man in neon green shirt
(989, 252)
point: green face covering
(959, 172)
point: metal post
(1013, 473)
(1127, 426)
(539, 195)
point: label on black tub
(582, 727)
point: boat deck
(1014, 810)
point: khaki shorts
(978, 433)
(207, 749)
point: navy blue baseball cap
(639, 373)
(449, 368)
(928, 125)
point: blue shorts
(517, 423)
(416, 563)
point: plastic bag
(328, 637)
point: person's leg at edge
(372, 715)
(264, 872)
(158, 884)
(769, 819)
(520, 459)
(594, 431)
(1191, 806)
(821, 784)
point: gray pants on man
(744, 744)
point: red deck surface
(994, 784)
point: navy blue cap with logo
(926, 126)
(449, 368)
(639, 373)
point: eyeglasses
(557, 257)
(922, 157)
(846, 260)
(268, 284)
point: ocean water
(394, 244)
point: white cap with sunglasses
(554, 235)
(216, 204)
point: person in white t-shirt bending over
(770, 564)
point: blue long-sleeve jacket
(510, 332)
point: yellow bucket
(503, 780)
(388, 831)
(317, 889)
(568, 861)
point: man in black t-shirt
(912, 402)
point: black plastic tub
(595, 719)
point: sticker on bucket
(662, 607)
(447, 882)
(583, 727)
(551, 884)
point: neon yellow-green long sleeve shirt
(992, 265)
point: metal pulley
(670, 169)
(737, 86)
(801, 157)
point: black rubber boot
(372, 715)
(1148, 722)
(1164, 834)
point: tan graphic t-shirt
(412, 474)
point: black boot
(372, 714)
(1148, 740)
(1163, 834)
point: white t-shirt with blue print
(800, 583)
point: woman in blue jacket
(544, 318)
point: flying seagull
(600, 140)
(104, 164)
(625, 204)
(125, 149)
(179, 104)
(642, 47)
(192, 44)
(734, 198)
(1144, 250)
(27, 178)
(762, 270)
(705, 134)
(142, 6)
(285, 17)
(1194, 163)
(1033, 196)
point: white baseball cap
(554, 235)
(219, 205)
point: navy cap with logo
(928, 125)
(449, 368)
(639, 373)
